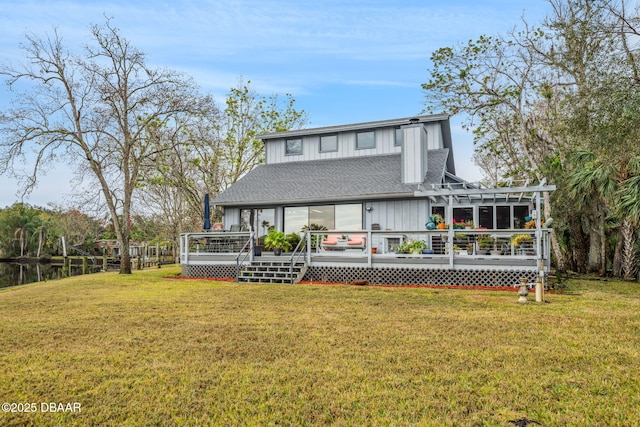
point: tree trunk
(628, 235)
(580, 244)
(125, 258)
(617, 255)
(595, 255)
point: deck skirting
(418, 276)
(398, 276)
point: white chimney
(414, 153)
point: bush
(276, 240)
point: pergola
(477, 193)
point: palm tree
(629, 209)
(592, 185)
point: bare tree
(96, 107)
(213, 152)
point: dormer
(423, 133)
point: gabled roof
(442, 118)
(331, 180)
(357, 126)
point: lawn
(149, 350)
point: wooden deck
(225, 249)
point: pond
(13, 274)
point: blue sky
(344, 61)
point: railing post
(368, 247)
(251, 237)
(451, 232)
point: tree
(94, 110)
(503, 88)
(560, 102)
(603, 117)
(19, 229)
(246, 116)
(210, 154)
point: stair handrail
(296, 254)
(244, 258)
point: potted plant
(519, 239)
(411, 247)
(417, 246)
(469, 248)
(276, 241)
(485, 243)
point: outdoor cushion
(330, 240)
(356, 239)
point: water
(13, 274)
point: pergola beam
(470, 191)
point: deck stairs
(285, 271)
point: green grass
(145, 350)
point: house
(380, 184)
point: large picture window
(332, 217)
(322, 216)
(295, 219)
(349, 217)
(259, 220)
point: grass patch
(147, 350)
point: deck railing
(447, 247)
(201, 246)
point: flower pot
(277, 251)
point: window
(503, 217)
(333, 217)
(349, 217)
(463, 214)
(322, 215)
(365, 140)
(399, 137)
(328, 143)
(295, 218)
(485, 216)
(519, 212)
(439, 210)
(262, 219)
(293, 146)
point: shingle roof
(350, 178)
(356, 126)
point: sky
(343, 61)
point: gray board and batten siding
(385, 141)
